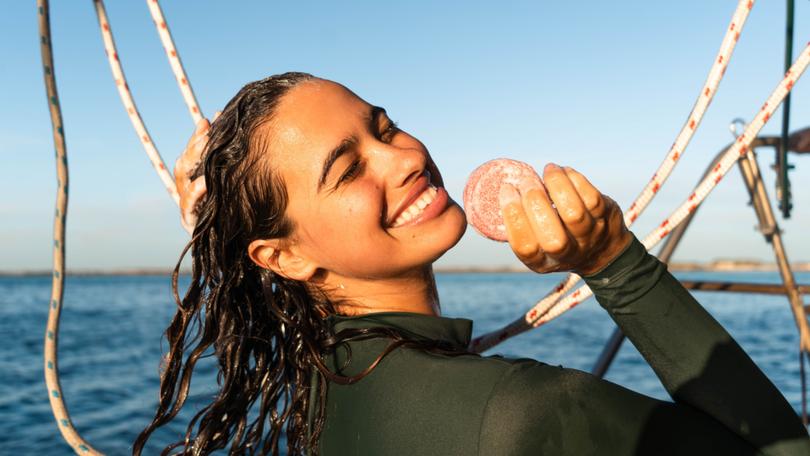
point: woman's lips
(430, 211)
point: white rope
(174, 60)
(129, 102)
(700, 193)
(64, 423)
(51, 368)
(704, 99)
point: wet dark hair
(268, 333)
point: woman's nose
(400, 166)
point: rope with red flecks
(129, 103)
(738, 149)
(174, 60)
(708, 90)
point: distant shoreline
(711, 266)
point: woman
(312, 281)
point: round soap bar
(481, 195)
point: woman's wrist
(608, 254)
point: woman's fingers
(191, 191)
(190, 156)
(520, 233)
(547, 227)
(188, 205)
(592, 198)
(570, 207)
(562, 223)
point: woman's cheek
(362, 206)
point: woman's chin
(452, 230)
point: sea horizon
(719, 265)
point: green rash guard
(419, 403)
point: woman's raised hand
(562, 224)
(191, 191)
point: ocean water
(110, 344)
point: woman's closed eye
(351, 172)
(356, 167)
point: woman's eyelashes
(356, 167)
(389, 131)
(351, 172)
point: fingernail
(551, 167)
(508, 194)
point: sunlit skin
(343, 240)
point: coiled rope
(740, 148)
(69, 433)
(704, 99)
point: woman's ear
(277, 256)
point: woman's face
(366, 199)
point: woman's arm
(567, 224)
(698, 362)
(724, 405)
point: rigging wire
(783, 191)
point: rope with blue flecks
(60, 411)
(55, 394)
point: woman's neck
(412, 292)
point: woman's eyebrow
(344, 146)
(341, 149)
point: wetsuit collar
(454, 330)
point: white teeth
(416, 208)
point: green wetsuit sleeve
(723, 404)
(696, 359)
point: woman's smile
(367, 197)
(425, 201)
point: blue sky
(600, 86)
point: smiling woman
(355, 182)
(315, 231)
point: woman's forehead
(311, 120)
